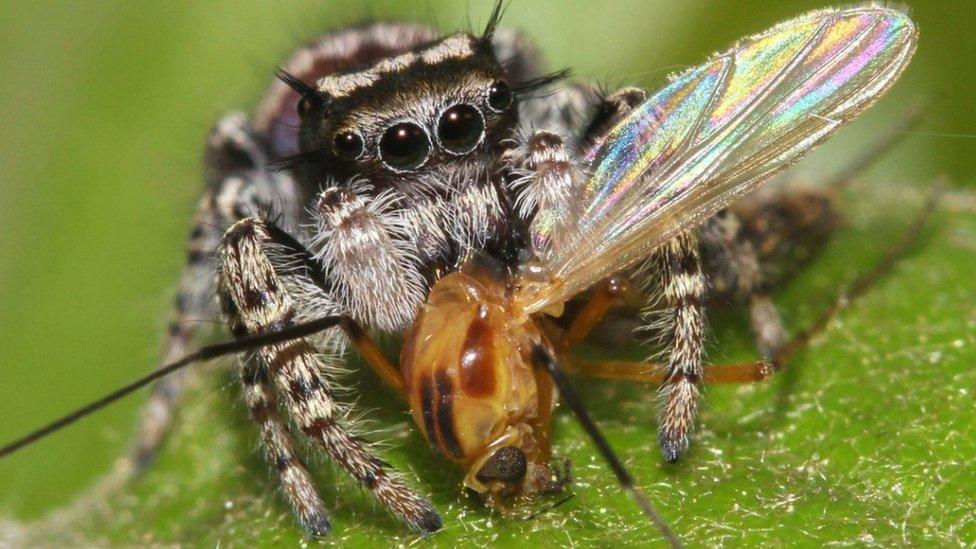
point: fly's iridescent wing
(716, 132)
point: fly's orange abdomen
(463, 370)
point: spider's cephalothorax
(406, 155)
(397, 182)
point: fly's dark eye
(404, 146)
(348, 145)
(499, 96)
(508, 463)
(460, 128)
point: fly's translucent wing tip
(720, 129)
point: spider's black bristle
(289, 162)
(529, 86)
(308, 92)
(493, 21)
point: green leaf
(866, 439)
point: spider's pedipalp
(369, 264)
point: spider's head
(417, 118)
(432, 116)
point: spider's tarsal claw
(429, 521)
(317, 526)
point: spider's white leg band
(296, 370)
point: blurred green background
(104, 105)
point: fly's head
(422, 121)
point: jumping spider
(445, 189)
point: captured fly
(444, 189)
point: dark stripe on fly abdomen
(445, 414)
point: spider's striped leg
(262, 294)
(682, 325)
(609, 111)
(276, 438)
(237, 185)
(736, 274)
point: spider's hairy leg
(236, 184)
(610, 110)
(276, 438)
(297, 369)
(735, 272)
(682, 324)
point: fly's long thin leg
(605, 296)
(276, 438)
(683, 326)
(297, 371)
(542, 426)
(649, 372)
(373, 355)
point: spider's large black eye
(460, 128)
(404, 146)
(348, 145)
(500, 96)
(303, 107)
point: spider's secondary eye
(304, 105)
(348, 145)
(499, 96)
(404, 146)
(460, 128)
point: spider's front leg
(237, 185)
(276, 437)
(682, 323)
(261, 268)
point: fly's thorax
(469, 380)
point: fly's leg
(682, 325)
(611, 292)
(297, 369)
(237, 185)
(760, 370)
(373, 355)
